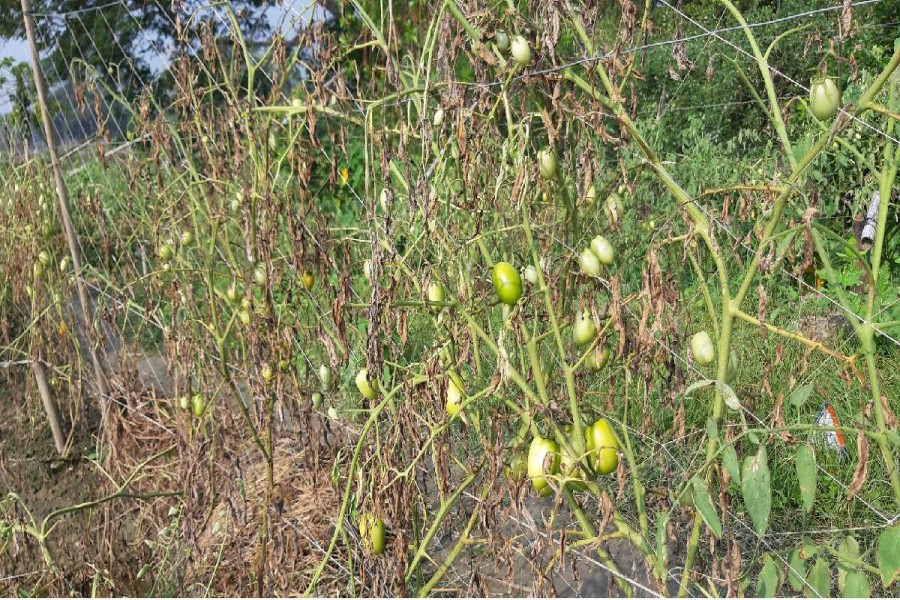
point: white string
(779, 73)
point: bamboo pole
(64, 215)
(49, 406)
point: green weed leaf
(819, 580)
(730, 460)
(703, 504)
(756, 486)
(806, 475)
(856, 585)
(769, 580)
(799, 395)
(888, 555)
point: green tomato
(435, 294)
(438, 118)
(454, 396)
(372, 532)
(317, 400)
(308, 280)
(547, 164)
(165, 252)
(603, 446)
(184, 402)
(703, 349)
(590, 264)
(38, 268)
(187, 238)
(583, 329)
(597, 359)
(45, 258)
(612, 208)
(367, 269)
(197, 405)
(369, 389)
(260, 275)
(507, 283)
(531, 275)
(520, 50)
(543, 460)
(267, 372)
(232, 293)
(517, 467)
(244, 316)
(603, 249)
(325, 375)
(824, 98)
(502, 41)
(734, 367)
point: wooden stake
(49, 406)
(62, 193)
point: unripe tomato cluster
(546, 459)
(600, 252)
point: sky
(18, 49)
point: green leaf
(888, 555)
(769, 580)
(799, 395)
(703, 504)
(856, 585)
(712, 432)
(819, 579)
(730, 460)
(697, 385)
(848, 554)
(662, 548)
(756, 486)
(797, 569)
(731, 399)
(806, 475)
(893, 437)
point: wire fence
(224, 208)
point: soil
(31, 468)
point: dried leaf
(862, 466)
